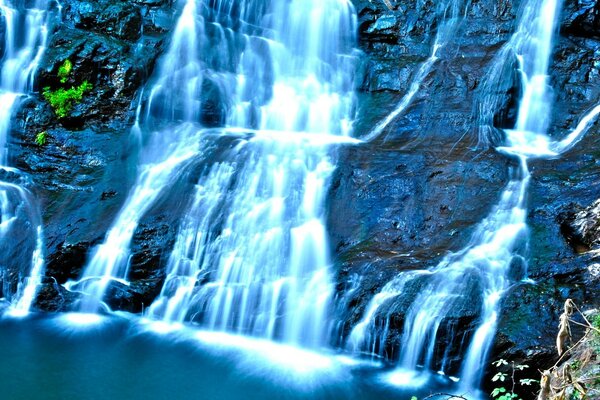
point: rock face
(582, 228)
(82, 175)
(406, 199)
(400, 202)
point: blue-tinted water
(115, 358)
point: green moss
(575, 365)
(595, 340)
(62, 100)
(64, 71)
(596, 321)
(41, 138)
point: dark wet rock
(562, 191)
(133, 297)
(529, 323)
(21, 227)
(108, 46)
(154, 237)
(559, 188)
(381, 198)
(397, 41)
(456, 327)
(405, 200)
(2, 36)
(121, 19)
(71, 174)
(581, 18)
(393, 199)
(581, 228)
(101, 62)
(576, 74)
(52, 297)
(399, 206)
(82, 175)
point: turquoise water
(68, 357)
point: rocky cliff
(415, 193)
(399, 202)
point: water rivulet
(496, 255)
(449, 16)
(21, 237)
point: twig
(512, 390)
(584, 318)
(591, 378)
(568, 351)
(389, 5)
(450, 396)
(585, 325)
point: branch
(585, 325)
(568, 351)
(389, 5)
(449, 396)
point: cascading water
(450, 13)
(251, 255)
(268, 268)
(25, 37)
(495, 254)
(174, 97)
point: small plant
(559, 382)
(41, 138)
(62, 100)
(596, 321)
(64, 71)
(502, 392)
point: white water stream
(251, 254)
(498, 242)
(450, 13)
(25, 38)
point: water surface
(68, 357)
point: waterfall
(25, 38)
(496, 252)
(174, 97)
(251, 254)
(450, 13)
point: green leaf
(40, 138)
(499, 377)
(62, 100)
(498, 391)
(64, 71)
